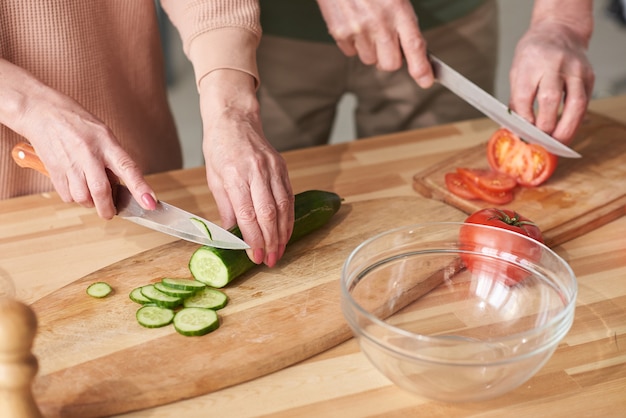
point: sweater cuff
(225, 48)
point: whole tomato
(483, 244)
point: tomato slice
(458, 186)
(495, 197)
(528, 164)
(491, 180)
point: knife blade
(496, 110)
(165, 218)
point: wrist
(229, 89)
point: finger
(574, 109)
(283, 195)
(366, 49)
(244, 210)
(79, 190)
(266, 217)
(523, 92)
(347, 47)
(101, 193)
(389, 53)
(129, 173)
(549, 98)
(415, 53)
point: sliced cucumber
(154, 316)
(213, 268)
(160, 298)
(195, 321)
(207, 298)
(217, 266)
(202, 226)
(183, 284)
(99, 290)
(179, 293)
(136, 296)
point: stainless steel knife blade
(496, 110)
(165, 218)
(174, 221)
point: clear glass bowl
(444, 331)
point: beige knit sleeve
(217, 33)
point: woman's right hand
(76, 147)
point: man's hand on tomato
(484, 240)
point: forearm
(18, 87)
(572, 15)
(217, 34)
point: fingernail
(149, 200)
(271, 259)
(281, 251)
(258, 255)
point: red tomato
(491, 180)
(458, 186)
(529, 164)
(485, 241)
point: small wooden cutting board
(581, 195)
(96, 360)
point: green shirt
(302, 19)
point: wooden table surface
(46, 244)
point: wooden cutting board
(581, 195)
(96, 360)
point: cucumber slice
(202, 226)
(160, 298)
(154, 316)
(195, 321)
(136, 296)
(179, 293)
(99, 289)
(183, 284)
(207, 298)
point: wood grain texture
(586, 377)
(95, 359)
(581, 195)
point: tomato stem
(513, 221)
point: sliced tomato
(528, 164)
(497, 198)
(458, 186)
(491, 180)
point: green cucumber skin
(312, 210)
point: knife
(165, 218)
(496, 110)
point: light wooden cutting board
(95, 360)
(581, 195)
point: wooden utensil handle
(24, 155)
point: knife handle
(24, 155)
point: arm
(247, 176)
(75, 146)
(381, 33)
(550, 66)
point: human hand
(80, 153)
(247, 176)
(550, 66)
(380, 32)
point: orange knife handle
(24, 155)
